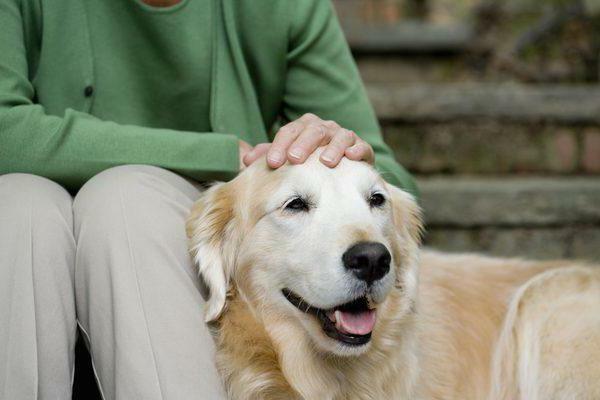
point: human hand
(257, 152)
(297, 140)
(244, 149)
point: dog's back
(536, 323)
(549, 347)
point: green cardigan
(272, 60)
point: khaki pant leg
(138, 297)
(37, 307)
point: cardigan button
(88, 91)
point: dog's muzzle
(350, 323)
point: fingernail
(275, 157)
(326, 157)
(296, 153)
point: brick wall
(495, 107)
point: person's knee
(29, 197)
(36, 223)
(100, 198)
(106, 201)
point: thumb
(257, 152)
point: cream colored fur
(449, 326)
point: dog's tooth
(331, 315)
(338, 324)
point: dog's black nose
(369, 261)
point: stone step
(472, 202)
(491, 129)
(531, 41)
(495, 147)
(571, 242)
(397, 27)
(407, 38)
(563, 104)
(426, 69)
(513, 217)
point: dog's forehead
(313, 175)
(261, 189)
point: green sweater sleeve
(323, 79)
(74, 147)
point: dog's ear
(408, 218)
(210, 229)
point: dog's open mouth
(350, 323)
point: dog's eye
(296, 205)
(376, 200)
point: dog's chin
(328, 345)
(344, 330)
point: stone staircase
(506, 166)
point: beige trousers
(114, 261)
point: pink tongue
(356, 324)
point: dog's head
(320, 247)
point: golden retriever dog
(319, 290)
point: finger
(259, 151)
(309, 118)
(276, 155)
(335, 150)
(361, 151)
(244, 149)
(313, 136)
